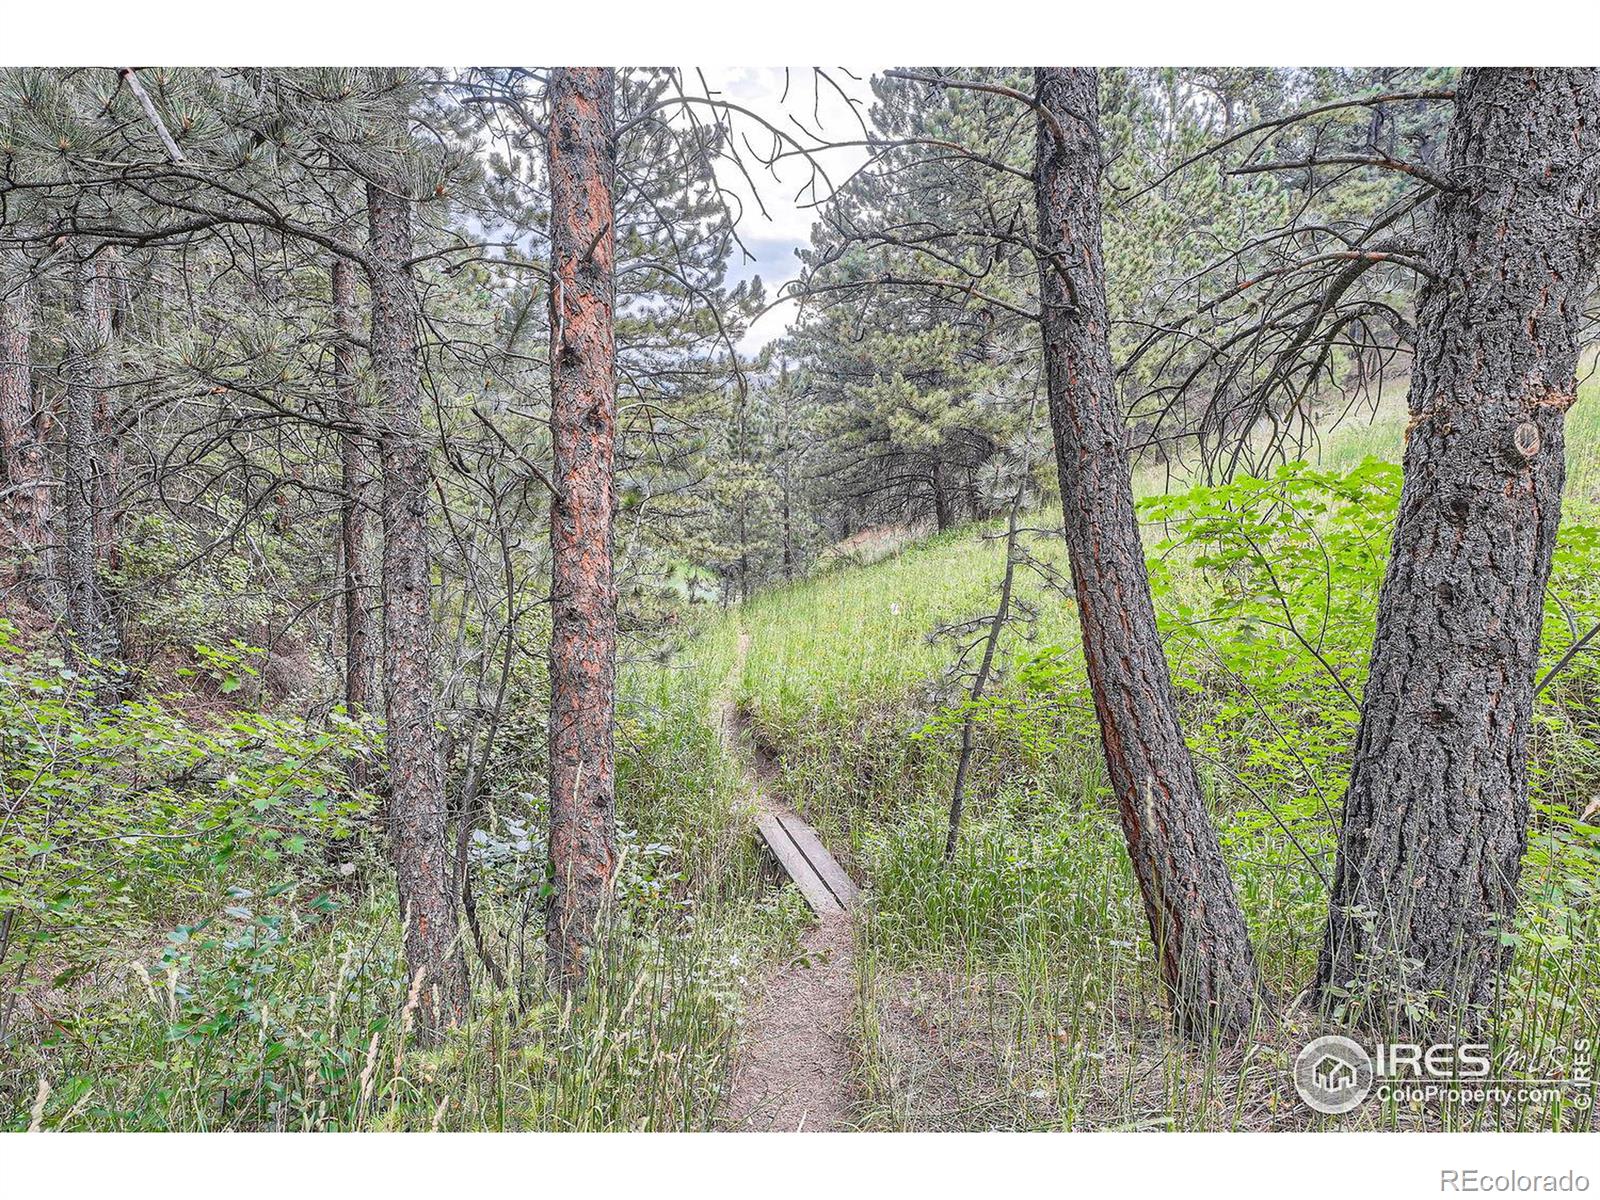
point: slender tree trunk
(1194, 915)
(788, 532)
(744, 553)
(26, 507)
(583, 600)
(744, 508)
(418, 821)
(1436, 815)
(112, 282)
(941, 496)
(356, 479)
(88, 613)
(1002, 613)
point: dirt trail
(793, 1068)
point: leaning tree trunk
(583, 597)
(1195, 919)
(1436, 815)
(417, 815)
(26, 506)
(94, 641)
(356, 478)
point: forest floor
(795, 1063)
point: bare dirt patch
(794, 1069)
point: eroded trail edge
(793, 1068)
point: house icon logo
(1333, 1074)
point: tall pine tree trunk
(108, 316)
(88, 340)
(26, 506)
(356, 478)
(418, 821)
(583, 599)
(1194, 915)
(1436, 815)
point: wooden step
(823, 863)
(806, 860)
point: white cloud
(780, 204)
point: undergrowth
(198, 928)
(201, 933)
(1013, 987)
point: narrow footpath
(793, 1071)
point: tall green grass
(1014, 987)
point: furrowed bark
(27, 503)
(1436, 815)
(583, 601)
(356, 479)
(417, 816)
(1194, 915)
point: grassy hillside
(240, 967)
(1014, 987)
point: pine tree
(1195, 920)
(581, 151)
(1436, 814)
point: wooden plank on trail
(823, 863)
(797, 866)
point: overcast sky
(773, 238)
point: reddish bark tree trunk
(418, 821)
(1436, 815)
(22, 436)
(356, 477)
(1194, 915)
(583, 600)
